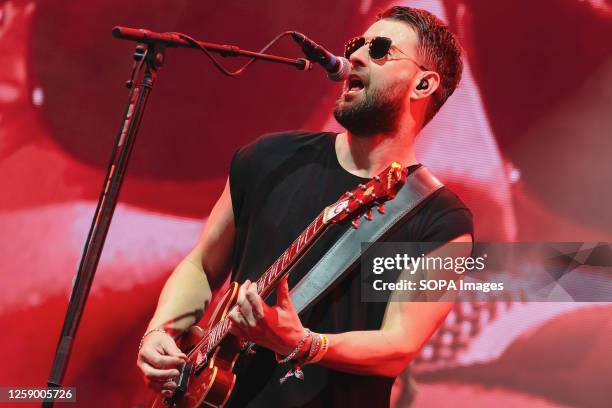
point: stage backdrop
(525, 141)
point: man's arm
(386, 352)
(406, 327)
(186, 293)
(188, 290)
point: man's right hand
(159, 359)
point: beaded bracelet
(315, 346)
(296, 350)
(318, 348)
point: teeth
(355, 84)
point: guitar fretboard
(267, 282)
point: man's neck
(368, 156)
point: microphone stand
(148, 58)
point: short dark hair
(438, 50)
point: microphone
(337, 68)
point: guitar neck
(267, 282)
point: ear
(424, 84)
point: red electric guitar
(206, 379)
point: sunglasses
(379, 48)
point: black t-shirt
(279, 184)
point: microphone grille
(343, 70)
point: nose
(360, 57)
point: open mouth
(354, 84)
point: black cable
(240, 70)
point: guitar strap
(344, 254)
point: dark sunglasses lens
(353, 45)
(379, 47)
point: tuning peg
(350, 194)
(376, 178)
(355, 223)
(381, 208)
(368, 215)
(362, 187)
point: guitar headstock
(361, 200)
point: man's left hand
(277, 328)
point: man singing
(403, 69)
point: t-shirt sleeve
(449, 225)
(444, 218)
(447, 219)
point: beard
(377, 112)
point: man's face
(377, 92)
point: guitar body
(212, 385)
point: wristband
(324, 346)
